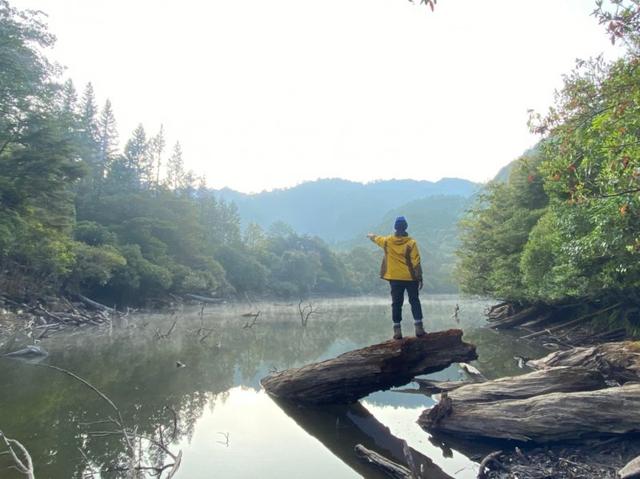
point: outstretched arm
(379, 240)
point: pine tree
(88, 139)
(69, 99)
(157, 146)
(89, 115)
(175, 169)
(138, 157)
(107, 139)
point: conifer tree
(138, 157)
(176, 175)
(157, 146)
(107, 139)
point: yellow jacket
(401, 258)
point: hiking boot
(419, 329)
(397, 331)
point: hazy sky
(264, 94)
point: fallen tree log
(616, 361)
(524, 316)
(631, 470)
(94, 304)
(355, 374)
(428, 387)
(545, 418)
(386, 466)
(561, 379)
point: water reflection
(341, 428)
(216, 393)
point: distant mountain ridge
(336, 209)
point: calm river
(226, 425)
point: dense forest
(564, 230)
(80, 215)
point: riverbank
(597, 459)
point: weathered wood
(434, 387)
(573, 322)
(94, 304)
(355, 374)
(484, 465)
(517, 319)
(560, 379)
(631, 470)
(616, 361)
(545, 418)
(386, 466)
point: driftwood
(616, 361)
(484, 465)
(560, 379)
(386, 466)
(545, 418)
(631, 470)
(573, 322)
(356, 374)
(526, 315)
(340, 428)
(428, 387)
(94, 304)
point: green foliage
(125, 227)
(583, 243)
(496, 229)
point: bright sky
(265, 94)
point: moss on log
(355, 374)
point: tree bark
(560, 379)
(631, 470)
(517, 319)
(546, 418)
(355, 374)
(615, 361)
(386, 466)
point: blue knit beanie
(400, 224)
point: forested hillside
(78, 214)
(564, 230)
(338, 210)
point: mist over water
(227, 425)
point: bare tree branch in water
(251, 322)
(133, 441)
(166, 335)
(306, 312)
(24, 465)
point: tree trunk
(517, 319)
(545, 418)
(560, 379)
(356, 374)
(387, 467)
(631, 470)
(616, 361)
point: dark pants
(397, 299)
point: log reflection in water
(341, 427)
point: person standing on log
(401, 267)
